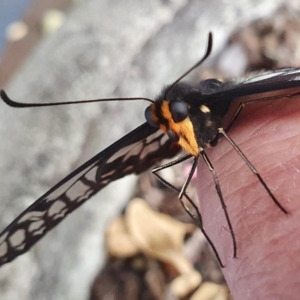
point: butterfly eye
(179, 110)
(148, 116)
(174, 138)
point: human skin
(268, 241)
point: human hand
(268, 243)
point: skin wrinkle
(230, 189)
(286, 129)
(281, 296)
(264, 145)
(226, 187)
(248, 276)
(275, 269)
(233, 167)
(295, 149)
(249, 225)
(265, 165)
(263, 274)
(267, 239)
(230, 167)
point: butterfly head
(172, 117)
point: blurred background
(69, 50)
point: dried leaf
(158, 235)
(184, 284)
(210, 291)
(119, 242)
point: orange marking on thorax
(185, 130)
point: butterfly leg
(242, 105)
(170, 164)
(252, 168)
(237, 113)
(219, 192)
(182, 192)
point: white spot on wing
(56, 208)
(91, 175)
(3, 249)
(17, 239)
(36, 225)
(85, 196)
(105, 182)
(32, 215)
(3, 237)
(108, 174)
(128, 169)
(121, 152)
(204, 109)
(152, 147)
(40, 231)
(156, 135)
(59, 191)
(134, 151)
(78, 189)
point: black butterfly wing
(134, 153)
(272, 81)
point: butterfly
(184, 116)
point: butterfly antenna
(13, 103)
(207, 53)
